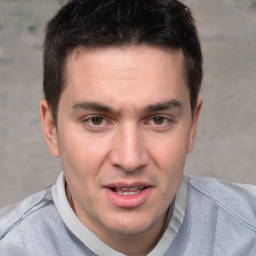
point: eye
(159, 120)
(94, 121)
(97, 120)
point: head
(121, 82)
(167, 24)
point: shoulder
(14, 215)
(35, 227)
(236, 200)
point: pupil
(97, 120)
(158, 120)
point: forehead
(125, 73)
(127, 59)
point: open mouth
(128, 196)
(127, 191)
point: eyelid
(88, 120)
(167, 118)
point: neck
(137, 244)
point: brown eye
(97, 120)
(158, 120)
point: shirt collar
(94, 243)
(175, 222)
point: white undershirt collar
(94, 243)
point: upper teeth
(128, 191)
(131, 189)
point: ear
(194, 124)
(49, 128)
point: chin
(131, 224)
(129, 228)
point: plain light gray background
(226, 141)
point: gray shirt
(45, 224)
(209, 217)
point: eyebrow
(172, 104)
(93, 106)
(85, 105)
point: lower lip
(128, 201)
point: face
(124, 130)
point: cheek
(82, 159)
(169, 157)
(170, 151)
(82, 153)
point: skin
(124, 118)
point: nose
(128, 150)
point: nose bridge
(129, 151)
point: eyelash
(163, 118)
(88, 121)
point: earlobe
(49, 128)
(194, 124)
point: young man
(121, 84)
